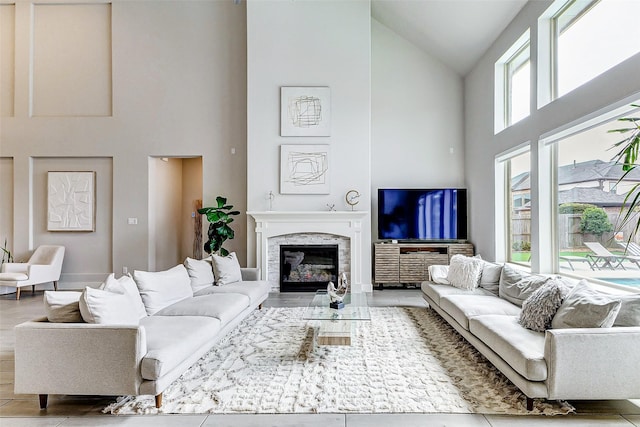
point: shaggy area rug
(403, 360)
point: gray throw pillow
(629, 314)
(538, 310)
(517, 286)
(586, 307)
(490, 277)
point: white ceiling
(457, 32)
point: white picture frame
(304, 169)
(71, 201)
(305, 111)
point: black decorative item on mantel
(219, 231)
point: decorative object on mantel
(353, 198)
(332, 207)
(71, 201)
(336, 295)
(304, 169)
(219, 217)
(305, 111)
(270, 197)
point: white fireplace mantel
(342, 223)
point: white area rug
(403, 360)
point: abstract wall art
(305, 111)
(304, 169)
(71, 201)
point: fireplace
(307, 268)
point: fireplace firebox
(307, 268)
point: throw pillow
(62, 307)
(464, 272)
(162, 288)
(105, 307)
(490, 277)
(516, 286)
(438, 274)
(226, 269)
(629, 314)
(586, 307)
(200, 273)
(127, 286)
(538, 310)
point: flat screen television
(437, 214)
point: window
(513, 84)
(590, 204)
(516, 187)
(589, 37)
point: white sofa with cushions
(134, 335)
(554, 339)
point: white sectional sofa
(563, 362)
(142, 357)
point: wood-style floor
(23, 410)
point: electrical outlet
(125, 270)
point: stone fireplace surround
(343, 228)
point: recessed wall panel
(7, 58)
(71, 60)
(6, 201)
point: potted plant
(219, 218)
(6, 253)
(628, 157)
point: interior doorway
(175, 189)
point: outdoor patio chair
(44, 266)
(631, 248)
(602, 258)
(576, 259)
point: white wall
(177, 88)
(481, 145)
(416, 118)
(309, 43)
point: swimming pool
(625, 282)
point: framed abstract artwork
(304, 169)
(71, 201)
(305, 111)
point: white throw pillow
(105, 307)
(200, 273)
(226, 269)
(438, 274)
(586, 307)
(62, 307)
(464, 272)
(126, 285)
(163, 288)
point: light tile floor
(65, 411)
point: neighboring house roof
(590, 171)
(592, 196)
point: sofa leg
(43, 399)
(529, 404)
(260, 307)
(159, 400)
(18, 293)
(55, 285)
(33, 289)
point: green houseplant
(6, 253)
(627, 156)
(219, 217)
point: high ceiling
(457, 32)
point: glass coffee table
(337, 326)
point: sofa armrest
(78, 358)
(593, 363)
(14, 267)
(250, 274)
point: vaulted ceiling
(457, 32)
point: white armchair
(44, 266)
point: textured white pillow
(200, 273)
(126, 285)
(540, 307)
(105, 307)
(438, 274)
(226, 269)
(62, 307)
(464, 272)
(163, 288)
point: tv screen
(422, 214)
